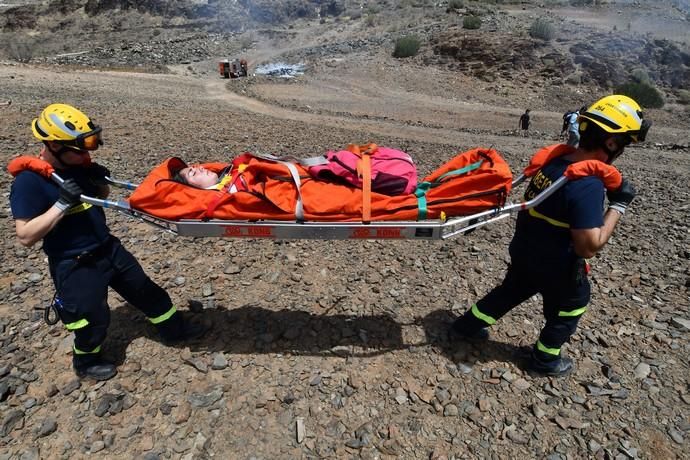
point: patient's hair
(177, 177)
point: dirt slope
(344, 337)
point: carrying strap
(306, 162)
(423, 187)
(290, 165)
(364, 152)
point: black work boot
(458, 331)
(97, 369)
(179, 329)
(556, 368)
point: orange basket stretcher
(448, 210)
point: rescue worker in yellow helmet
(553, 239)
(84, 259)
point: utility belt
(51, 313)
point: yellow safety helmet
(617, 114)
(68, 126)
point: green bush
(644, 94)
(406, 46)
(640, 76)
(456, 4)
(684, 96)
(542, 29)
(471, 22)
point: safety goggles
(85, 141)
(641, 134)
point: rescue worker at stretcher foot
(83, 257)
(552, 240)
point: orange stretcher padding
(271, 193)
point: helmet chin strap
(612, 154)
(58, 155)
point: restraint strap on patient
(423, 187)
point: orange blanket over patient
(471, 182)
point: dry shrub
(684, 97)
(406, 46)
(542, 29)
(471, 22)
(643, 93)
(20, 47)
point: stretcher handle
(119, 205)
(121, 183)
(482, 218)
(519, 180)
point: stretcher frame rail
(278, 229)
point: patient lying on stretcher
(200, 177)
(261, 189)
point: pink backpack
(392, 171)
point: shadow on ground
(252, 329)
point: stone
(47, 427)
(97, 446)
(300, 431)
(4, 390)
(205, 399)
(198, 364)
(219, 362)
(12, 420)
(593, 446)
(484, 404)
(517, 437)
(450, 410)
(676, 436)
(642, 371)
(31, 454)
(538, 411)
(232, 269)
(70, 387)
(401, 395)
(681, 323)
(562, 422)
(182, 413)
(521, 384)
(464, 368)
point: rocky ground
(337, 349)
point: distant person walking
(524, 123)
(571, 125)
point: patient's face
(198, 176)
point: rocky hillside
(338, 349)
(155, 34)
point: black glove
(69, 194)
(98, 173)
(621, 198)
